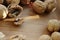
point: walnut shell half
(3, 11)
(14, 10)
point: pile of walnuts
(43, 6)
(11, 9)
(54, 28)
(39, 6)
(11, 6)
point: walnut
(53, 25)
(55, 36)
(45, 37)
(17, 37)
(8, 1)
(3, 11)
(14, 10)
(18, 21)
(43, 6)
(50, 5)
(39, 7)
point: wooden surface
(33, 26)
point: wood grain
(33, 25)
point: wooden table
(33, 26)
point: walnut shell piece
(19, 21)
(17, 37)
(3, 11)
(2, 35)
(14, 10)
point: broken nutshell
(3, 11)
(14, 10)
(7, 2)
(17, 37)
(18, 21)
(55, 36)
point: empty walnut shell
(14, 10)
(39, 7)
(3, 11)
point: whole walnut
(50, 5)
(39, 7)
(45, 37)
(53, 25)
(55, 36)
(3, 11)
